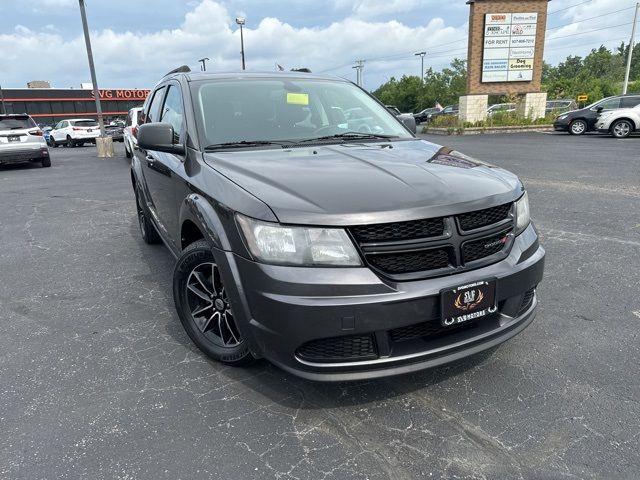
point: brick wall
(476, 45)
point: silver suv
(21, 140)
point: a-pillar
(473, 108)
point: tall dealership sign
(505, 53)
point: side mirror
(158, 137)
(599, 109)
(409, 122)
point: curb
(486, 130)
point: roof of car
(194, 76)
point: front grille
(527, 300)
(484, 247)
(424, 330)
(408, 262)
(339, 349)
(385, 232)
(428, 247)
(483, 218)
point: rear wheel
(621, 128)
(70, 142)
(204, 309)
(578, 127)
(46, 162)
(147, 229)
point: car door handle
(150, 160)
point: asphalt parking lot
(98, 379)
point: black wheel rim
(209, 306)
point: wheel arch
(628, 119)
(200, 220)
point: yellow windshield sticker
(298, 98)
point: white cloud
(134, 59)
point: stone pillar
(104, 145)
(533, 105)
(473, 108)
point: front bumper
(561, 125)
(23, 153)
(281, 309)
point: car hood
(350, 184)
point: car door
(57, 133)
(604, 106)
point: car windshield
(288, 109)
(85, 123)
(16, 123)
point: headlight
(562, 117)
(523, 217)
(284, 245)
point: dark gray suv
(336, 249)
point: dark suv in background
(338, 249)
(579, 122)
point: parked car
(115, 132)
(560, 106)
(501, 108)
(130, 131)
(619, 123)
(21, 140)
(335, 254)
(448, 110)
(425, 115)
(74, 132)
(46, 131)
(579, 122)
(406, 118)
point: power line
(570, 6)
(591, 18)
(590, 31)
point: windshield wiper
(246, 143)
(349, 136)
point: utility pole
(421, 55)
(104, 143)
(359, 66)
(4, 110)
(241, 21)
(203, 67)
(633, 37)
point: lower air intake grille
(339, 349)
(423, 330)
(411, 261)
(527, 300)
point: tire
(198, 287)
(70, 142)
(578, 127)
(52, 143)
(621, 128)
(127, 152)
(147, 229)
(46, 162)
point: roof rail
(182, 69)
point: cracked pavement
(98, 379)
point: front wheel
(52, 142)
(621, 129)
(578, 127)
(70, 142)
(204, 309)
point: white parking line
(636, 313)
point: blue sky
(136, 41)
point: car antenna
(182, 69)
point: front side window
(610, 104)
(153, 114)
(287, 109)
(173, 111)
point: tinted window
(610, 104)
(15, 123)
(65, 124)
(153, 114)
(128, 122)
(173, 112)
(629, 102)
(86, 123)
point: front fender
(208, 219)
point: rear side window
(173, 112)
(16, 123)
(153, 114)
(629, 102)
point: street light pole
(421, 55)
(633, 37)
(4, 110)
(241, 21)
(104, 141)
(204, 63)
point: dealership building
(50, 105)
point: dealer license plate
(468, 302)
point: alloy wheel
(209, 306)
(621, 129)
(578, 127)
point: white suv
(131, 131)
(21, 140)
(75, 131)
(619, 123)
